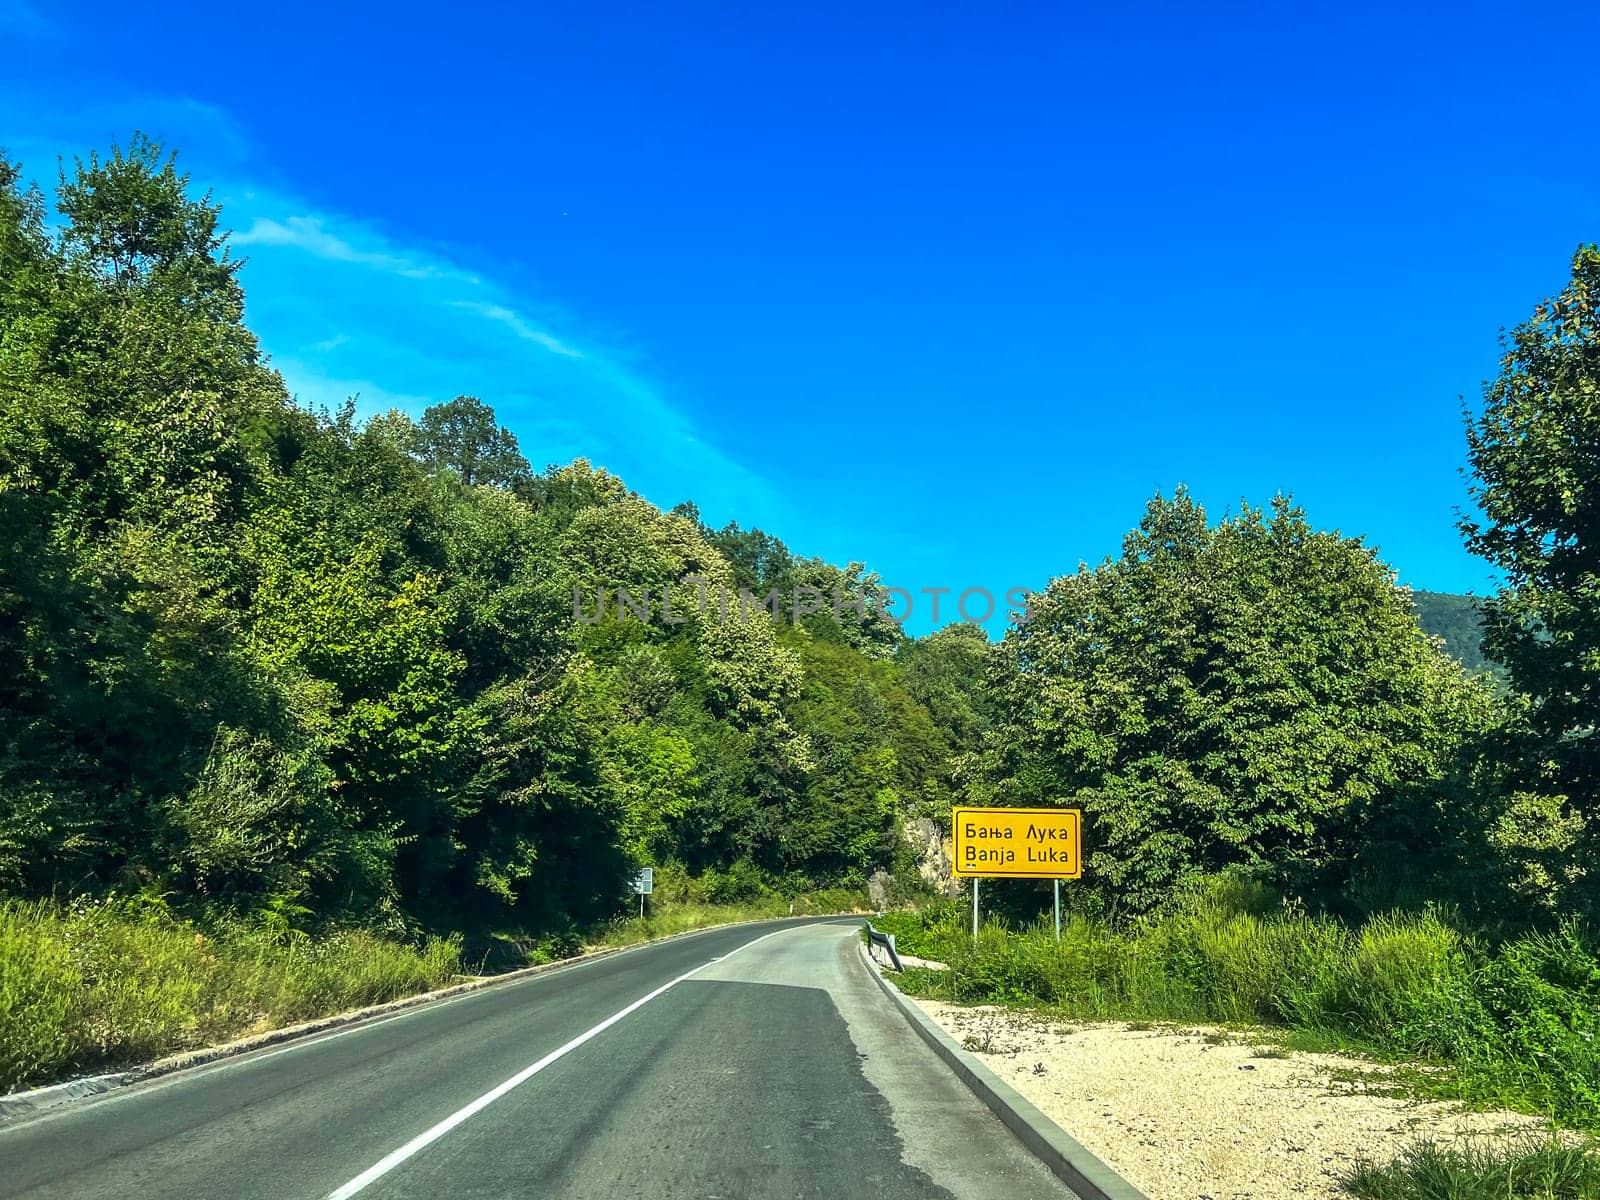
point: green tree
(537, 822)
(464, 437)
(1222, 695)
(23, 245)
(128, 396)
(1535, 453)
(948, 672)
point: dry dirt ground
(1199, 1114)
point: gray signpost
(644, 883)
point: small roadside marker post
(644, 882)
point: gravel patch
(1199, 1114)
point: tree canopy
(1535, 453)
(1535, 457)
(1223, 694)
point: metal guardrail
(885, 940)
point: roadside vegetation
(1513, 1024)
(1535, 1170)
(111, 983)
(1300, 813)
(669, 919)
(682, 902)
(98, 985)
(1516, 1024)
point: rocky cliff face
(931, 845)
(878, 890)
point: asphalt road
(737, 1064)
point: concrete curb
(15, 1106)
(1071, 1162)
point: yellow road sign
(1017, 843)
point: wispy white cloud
(345, 308)
(519, 326)
(348, 310)
(310, 235)
(363, 248)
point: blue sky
(951, 289)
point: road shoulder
(1072, 1162)
(1183, 1111)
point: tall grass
(1518, 1170)
(1516, 1024)
(95, 986)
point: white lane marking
(182, 1075)
(392, 1160)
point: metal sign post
(644, 882)
(1058, 910)
(974, 908)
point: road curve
(743, 1063)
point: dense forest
(1456, 619)
(262, 658)
(299, 667)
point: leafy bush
(741, 883)
(1538, 1027)
(1404, 979)
(929, 932)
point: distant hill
(1457, 620)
